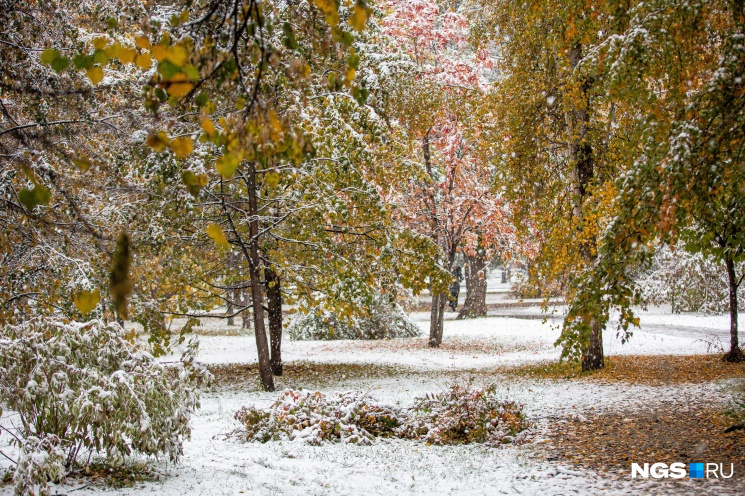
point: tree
(686, 179)
(450, 200)
(552, 141)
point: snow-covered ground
(217, 464)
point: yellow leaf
(274, 122)
(208, 126)
(86, 301)
(179, 85)
(271, 179)
(142, 42)
(328, 7)
(358, 18)
(95, 74)
(177, 55)
(227, 164)
(182, 146)
(143, 60)
(99, 43)
(240, 103)
(127, 55)
(218, 236)
(114, 51)
(82, 163)
(158, 142)
(159, 52)
(349, 76)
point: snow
(216, 463)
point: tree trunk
(593, 358)
(274, 306)
(257, 296)
(735, 352)
(231, 309)
(475, 304)
(436, 319)
(246, 314)
(581, 153)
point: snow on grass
(217, 464)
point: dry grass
(640, 369)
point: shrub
(384, 320)
(85, 387)
(460, 416)
(688, 282)
(315, 418)
(465, 415)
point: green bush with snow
(462, 415)
(86, 388)
(384, 320)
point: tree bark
(257, 296)
(735, 353)
(436, 319)
(583, 171)
(274, 313)
(475, 273)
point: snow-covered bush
(462, 415)
(688, 282)
(316, 418)
(82, 388)
(384, 320)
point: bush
(460, 416)
(84, 387)
(384, 320)
(688, 282)
(465, 415)
(315, 418)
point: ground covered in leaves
(659, 369)
(684, 431)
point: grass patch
(299, 375)
(640, 369)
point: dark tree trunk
(245, 315)
(231, 293)
(735, 353)
(594, 359)
(254, 271)
(436, 319)
(475, 274)
(231, 309)
(581, 153)
(274, 311)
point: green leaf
(39, 195)
(82, 61)
(191, 72)
(289, 36)
(83, 164)
(201, 99)
(49, 55)
(168, 69)
(161, 94)
(100, 57)
(60, 64)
